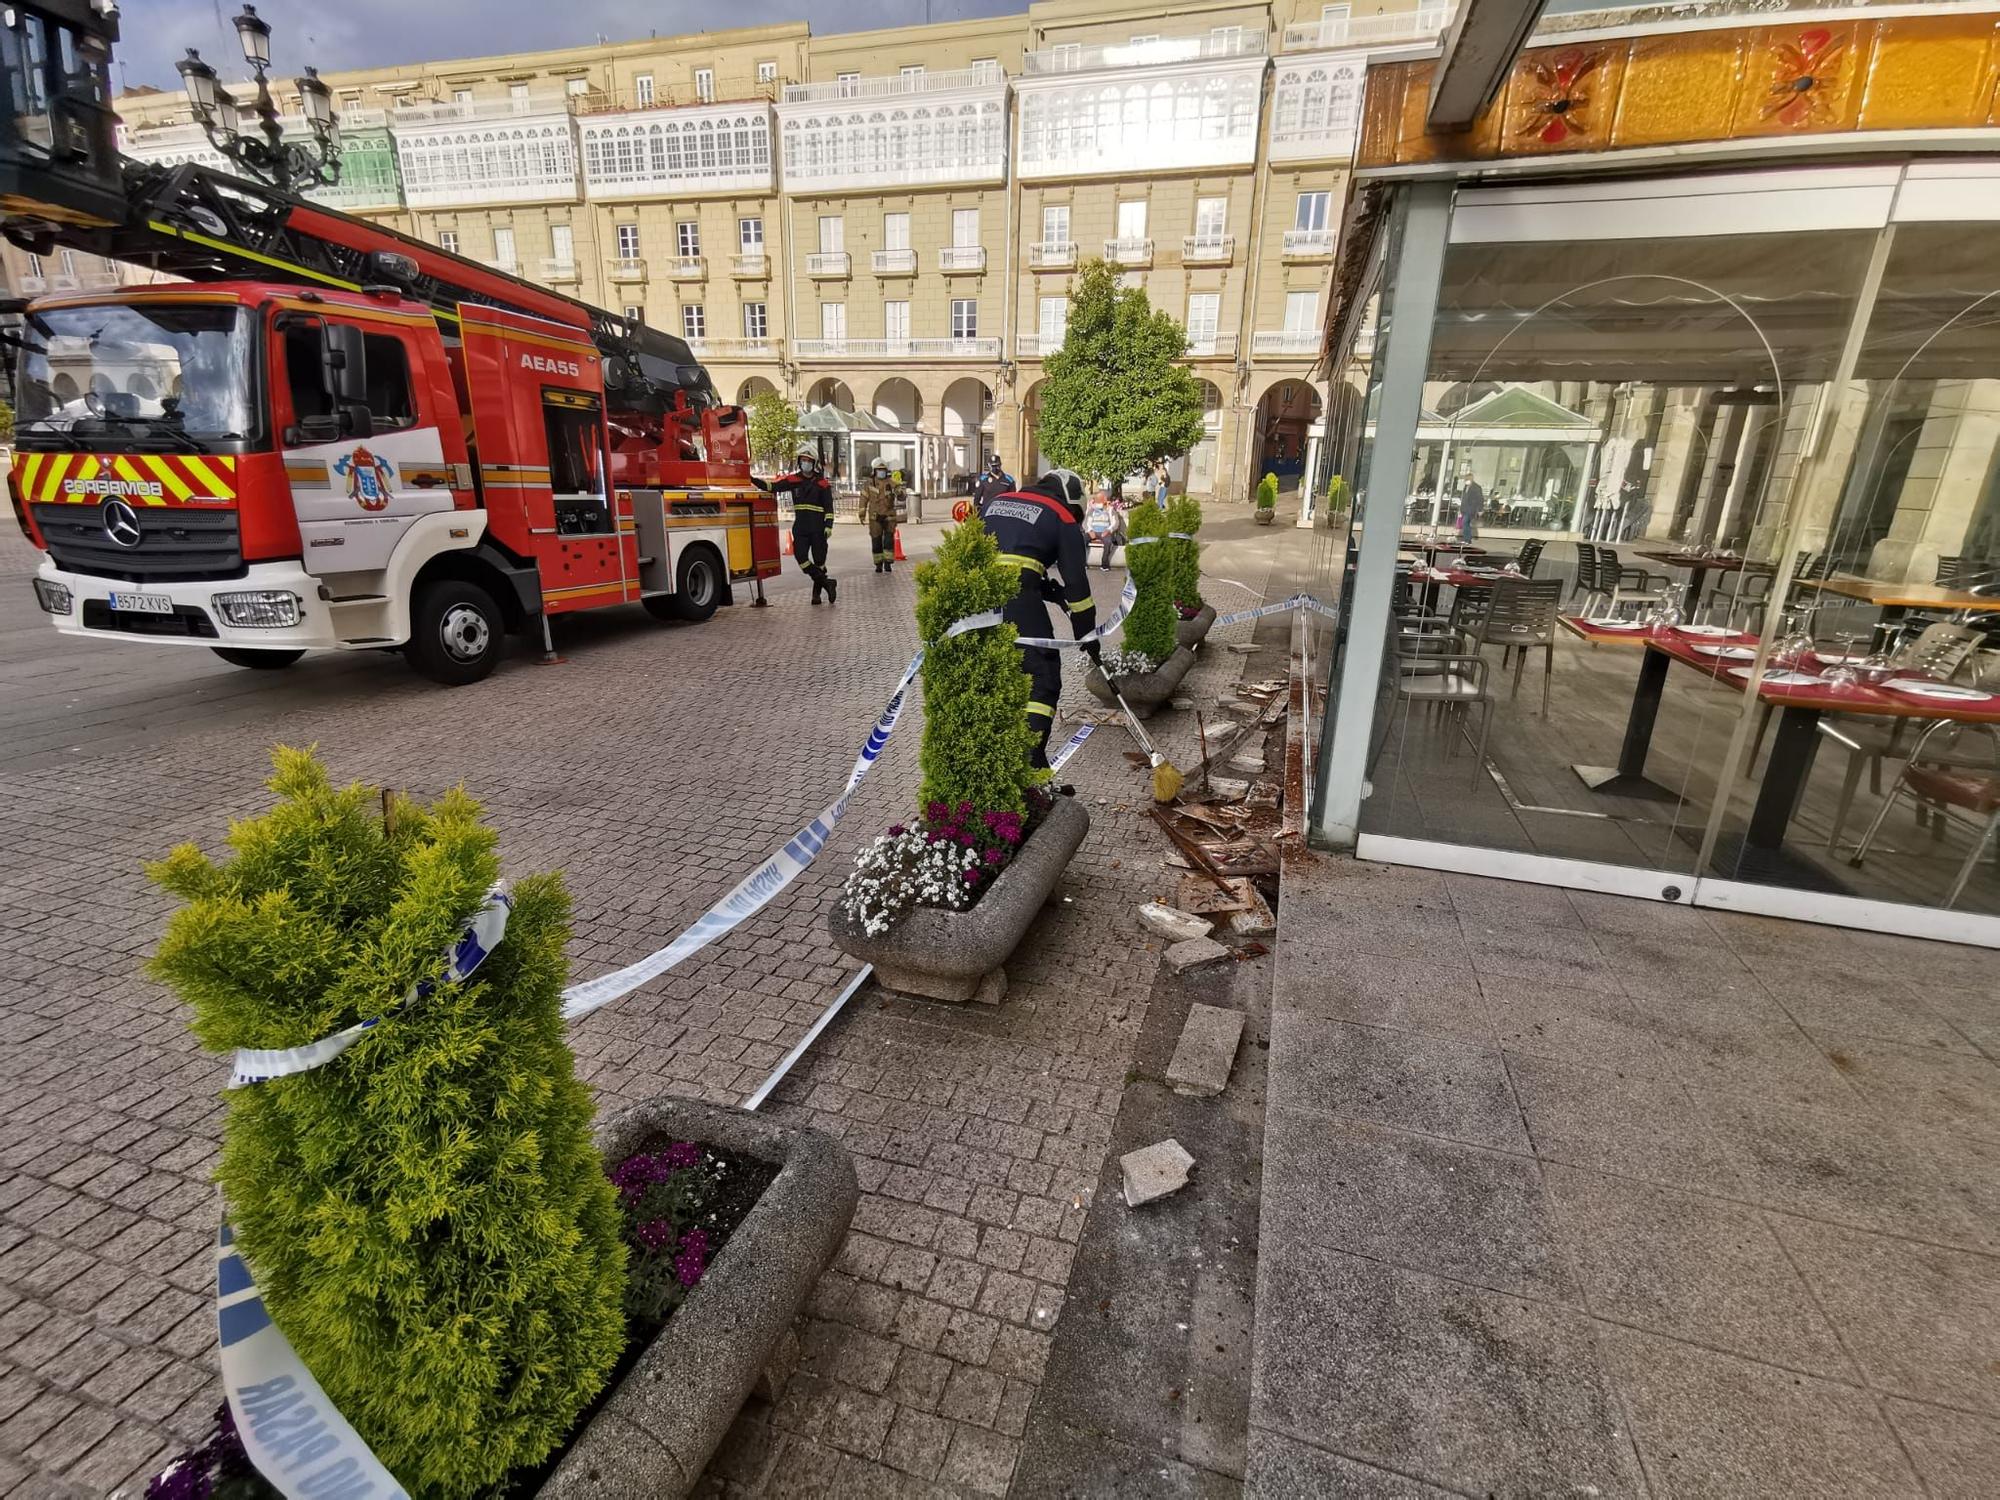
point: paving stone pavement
(1571, 1194)
(651, 768)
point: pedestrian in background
(995, 481)
(1104, 527)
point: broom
(1167, 779)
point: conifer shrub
(976, 737)
(1267, 492)
(428, 1220)
(1150, 627)
(1184, 520)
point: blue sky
(337, 34)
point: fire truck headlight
(53, 597)
(273, 609)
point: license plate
(142, 604)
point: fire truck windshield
(132, 374)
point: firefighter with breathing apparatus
(812, 520)
(1037, 531)
(882, 501)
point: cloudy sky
(337, 34)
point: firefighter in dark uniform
(812, 520)
(995, 481)
(1038, 531)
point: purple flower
(965, 841)
(897, 830)
(971, 877)
(935, 810)
(683, 1154)
(995, 856)
(632, 1175)
(693, 1257)
(655, 1235)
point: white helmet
(880, 466)
(808, 455)
(1070, 482)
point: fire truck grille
(173, 543)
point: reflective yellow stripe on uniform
(818, 510)
(1040, 708)
(1078, 606)
(1026, 564)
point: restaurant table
(1699, 565)
(1430, 577)
(1896, 600)
(1796, 741)
(1628, 778)
(1435, 545)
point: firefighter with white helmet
(882, 501)
(1038, 531)
(812, 520)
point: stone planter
(1144, 694)
(1266, 514)
(957, 955)
(655, 1432)
(1194, 632)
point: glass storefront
(1696, 573)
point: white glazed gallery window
(767, 72)
(964, 227)
(517, 95)
(503, 245)
(461, 96)
(1132, 220)
(628, 241)
(1204, 310)
(562, 244)
(833, 320)
(847, 84)
(1312, 211)
(1055, 224)
(896, 231)
(755, 324)
(750, 236)
(642, 91)
(896, 321)
(964, 318)
(634, 313)
(687, 238)
(694, 321)
(704, 84)
(1301, 312)
(910, 70)
(1211, 219)
(577, 86)
(832, 234)
(447, 241)
(1054, 324)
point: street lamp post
(290, 166)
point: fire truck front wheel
(456, 632)
(698, 588)
(248, 656)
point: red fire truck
(331, 435)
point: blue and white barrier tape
(291, 1431)
(1070, 746)
(482, 934)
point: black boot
(832, 590)
(818, 583)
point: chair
(1623, 583)
(1584, 588)
(1529, 555)
(1942, 784)
(1520, 617)
(1947, 572)
(1751, 593)
(1448, 683)
(1941, 651)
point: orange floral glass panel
(1562, 99)
(1801, 80)
(1929, 73)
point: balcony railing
(688, 268)
(735, 348)
(506, 265)
(452, 111)
(895, 262)
(33, 286)
(1052, 255)
(554, 270)
(958, 259)
(1078, 58)
(828, 263)
(1308, 244)
(750, 265)
(897, 348)
(631, 268)
(1286, 341)
(1129, 252)
(1208, 249)
(1212, 346)
(1369, 31)
(1034, 346)
(890, 87)
(737, 90)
